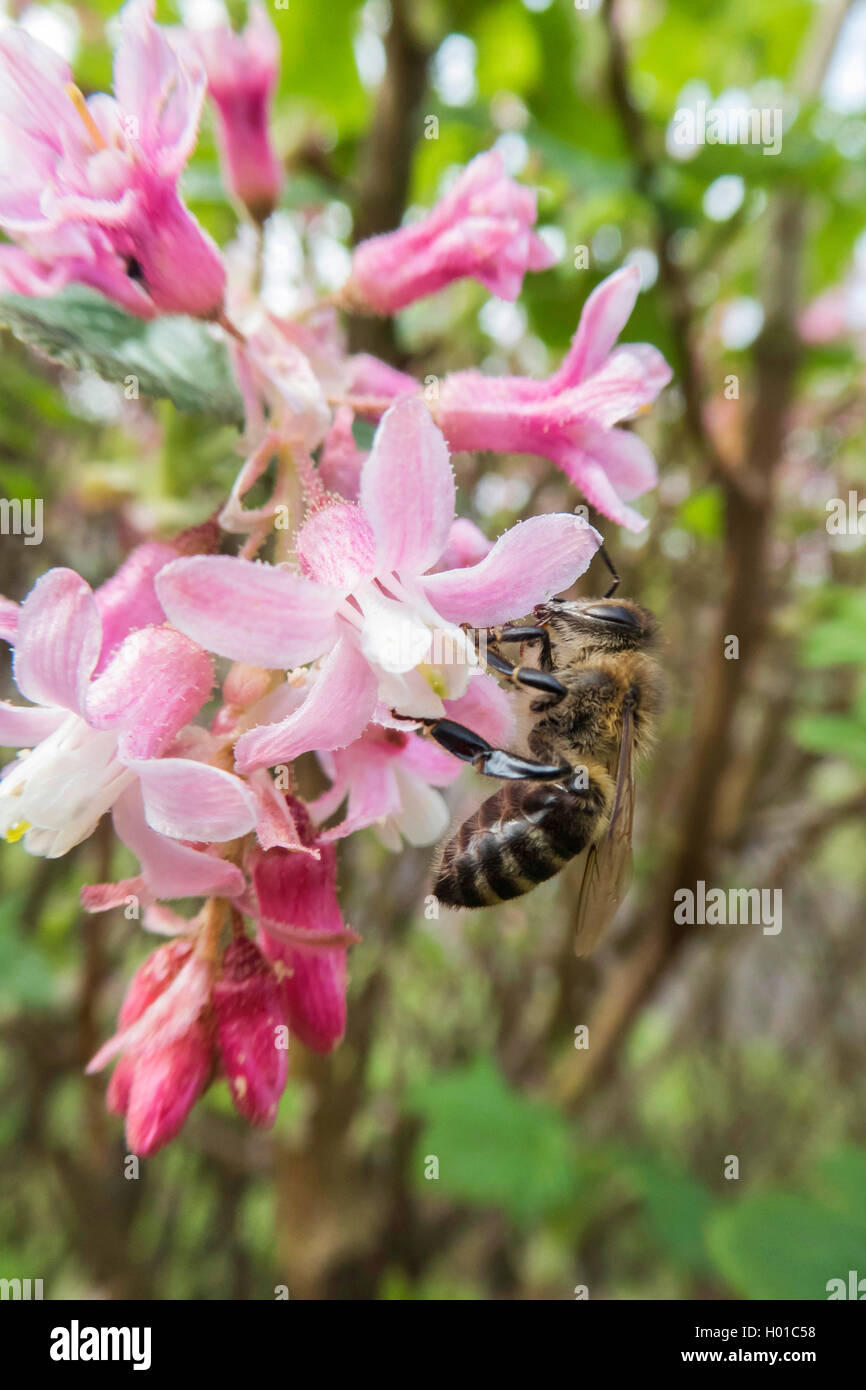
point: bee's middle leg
(492, 762)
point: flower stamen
(76, 96)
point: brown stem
(385, 163)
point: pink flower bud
(177, 262)
(242, 71)
(251, 1019)
(119, 1087)
(152, 978)
(302, 930)
(245, 684)
(481, 228)
(316, 996)
(167, 1082)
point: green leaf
(27, 973)
(702, 513)
(843, 1183)
(677, 1206)
(836, 734)
(784, 1246)
(509, 51)
(494, 1146)
(178, 358)
(318, 60)
(840, 638)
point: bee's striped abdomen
(519, 837)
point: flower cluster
(342, 629)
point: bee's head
(600, 624)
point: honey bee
(596, 690)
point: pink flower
(571, 417)
(301, 930)
(167, 1049)
(365, 597)
(88, 188)
(251, 1013)
(389, 776)
(102, 722)
(242, 71)
(839, 311)
(481, 228)
(341, 460)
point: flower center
(54, 796)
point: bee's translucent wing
(608, 871)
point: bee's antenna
(607, 560)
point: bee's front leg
(521, 632)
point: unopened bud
(251, 1015)
(167, 1083)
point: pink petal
(315, 993)
(170, 869)
(426, 760)
(192, 801)
(250, 1008)
(170, 1015)
(409, 459)
(336, 547)
(128, 599)
(23, 726)
(604, 316)
(33, 86)
(528, 564)
(487, 709)
(102, 897)
(166, 1083)
(656, 371)
(394, 637)
(333, 714)
(152, 978)
(164, 93)
(592, 480)
(276, 825)
(630, 378)
(59, 636)
(827, 317)
(162, 921)
(627, 461)
(341, 460)
(119, 1087)
(296, 897)
(9, 612)
(250, 612)
(154, 685)
(368, 775)
(376, 379)
(423, 816)
(467, 544)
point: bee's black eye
(613, 613)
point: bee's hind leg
(492, 762)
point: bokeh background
(558, 1167)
